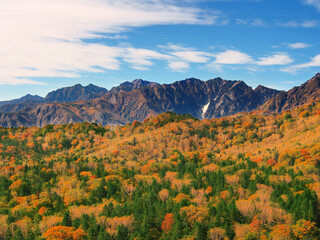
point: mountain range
(140, 99)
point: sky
(49, 44)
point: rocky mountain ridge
(140, 99)
(297, 96)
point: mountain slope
(256, 179)
(26, 99)
(306, 93)
(141, 99)
(62, 95)
(75, 93)
(130, 86)
(187, 96)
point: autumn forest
(249, 176)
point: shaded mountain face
(140, 99)
(190, 96)
(130, 86)
(306, 93)
(75, 93)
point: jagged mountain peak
(139, 99)
(314, 81)
(75, 93)
(317, 75)
(139, 83)
(192, 79)
(130, 86)
(261, 88)
(29, 96)
(25, 99)
(297, 96)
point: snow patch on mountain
(204, 109)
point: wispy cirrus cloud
(179, 57)
(178, 66)
(238, 59)
(314, 62)
(298, 45)
(302, 24)
(192, 56)
(252, 22)
(141, 59)
(314, 3)
(232, 57)
(275, 59)
(44, 38)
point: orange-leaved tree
(64, 233)
(167, 222)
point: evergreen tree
(103, 235)
(201, 231)
(310, 214)
(229, 230)
(85, 222)
(123, 233)
(31, 235)
(177, 231)
(8, 234)
(18, 235)
(233, 211)
(101, 191)
(66, 221)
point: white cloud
(304, 24)
(43, 38)
(239, 60)
(187, 54)
(240, 21)
(175, 47)
(252, 22)
(314, 3)
(276, 59)
(140, 59)
(257, 22)
(232, 57)
(192, 56)
(180, 57)
(178, 66)
(314, 62)
(298, 45)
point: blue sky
(51, 44)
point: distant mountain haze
(140, 99)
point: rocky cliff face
(306, 93)
(187, 96)
(130, 86)
(140, 99)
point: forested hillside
(170, 177)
